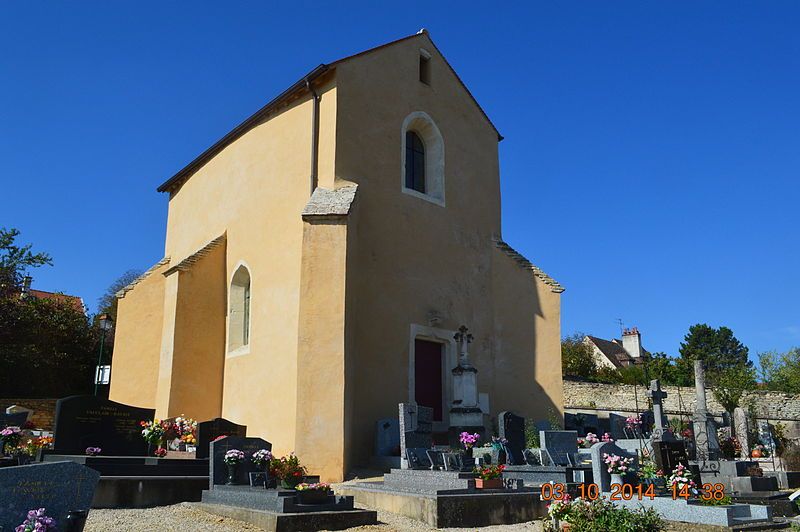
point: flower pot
(756, 453)
(616, 479)
(291, 482)
(76, 520)
(231, 474)
(312, 496)
(490, 484)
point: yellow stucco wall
(417, 259)
(137, 342)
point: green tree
(577, 358)
(15, 260)
(660, 366)
(731, 383)
(718, 348)
(107, 304)
(781, 371)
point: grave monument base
(734, 515)
(291, 522)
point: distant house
(616, 353)
(75, 301)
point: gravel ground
(185, 517)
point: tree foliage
(107, 304)
(577, 358)
(718, 348)
(781, 371)
(15, 260)
(731, 383)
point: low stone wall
(680, 400)
(44, 410)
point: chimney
(632, 342)
(26, 286)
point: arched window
(239, 315)
(422, 158)
(415, 162)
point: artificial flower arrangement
(617, 465)
(590, 439)
(161, 452)
(606, 438)
(32, 446)
(93, 451)
(318, 486)
(469, 440)
(489, 472)
(759, 451)
(287, 469)
(633, 422)
(681, 479)
(233, 457)
(37, 521)
(558, 509)
(185, 429)
(261, 458)
(9, 438)
(154, 431)
(648, 470)
(730, 447)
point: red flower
(297, 474)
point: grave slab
(208, 431)
(218, 470)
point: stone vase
(616, 479)
(231, 474)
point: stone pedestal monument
(705, 433)
(465, 411)
(661, 430)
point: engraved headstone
(417, 458)
(87, 421)
(59, 487)
(387, 437)
(742, 430)
(561, 445)
(13, 420)
(657, 396)
(208, 431)
(416, 431)
(512, 428)
(600, 472)
(705, 432)
(668, 454)
(218, 470)
(16, 409)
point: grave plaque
(13, 420)
(387, 437)
(668, 454)
(218, 469)
(415, 428)
(417, 458)
(561, 445)
(87, 421)
(208, 431)
(512, 428)
(59, 487)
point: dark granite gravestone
(561, 445)
(437, 459)
(512, 428)
(208, 431)
(616, 423)
(416, 431)
(87, 421)
(59, 487)
(668, 454)
(417, 458)
(218, 470)
(13, 420)
(581, 422)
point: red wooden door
(428, 389)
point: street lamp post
(105, 325)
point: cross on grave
(463, 337)
(657, 395)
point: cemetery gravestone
(512, 428)
(218, 470)
(387, 437)
(13, 420)
(561, 445)
(668, 454)
(87, 421)
(617, 424)
(59, 487)
(600, 473)
(208, 431)
(742, 430)
(416, 432)
(16, 409)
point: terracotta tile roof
(614, 351)
(554, 285)
(75, 301)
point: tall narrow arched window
(415, 162)
(239, 313)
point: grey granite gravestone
(218, 470)
(87, 421)
(387, 437)
(512, 428)
(208, 431)
(742, 430)
(416, 432)
(13, 420)
(705, 431)
(561, 445)
(59, 487)
(600, 474)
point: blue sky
(650, 162)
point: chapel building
(320, 257)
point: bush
(602, 516)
